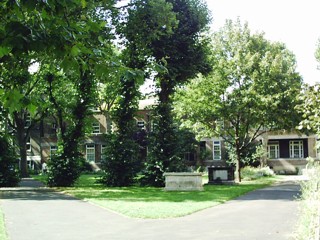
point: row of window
(96, 126)
(90, 152)
(295, 150)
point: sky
(293, 22)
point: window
(103, 154)
(96, 127)
(273, 150)
(53, 150)
(140, 125)
(154, 126)
(27, 122)
(189, 156)
(296, 149)
(28, 145)
(318, 148)
(90, 152)
(216, 150)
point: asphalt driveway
(35, 213)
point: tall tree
(146, 21)
(252, 89)
(21, 39)
(21, 92)
(179, 54)
(86, 54)
(74, 36)
(310, 104)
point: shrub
(64, 172)
(308, 224)
(251, 173)
(9, 173)
(122, 161)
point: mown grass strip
(150, 202)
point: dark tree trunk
(22, 145)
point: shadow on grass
(216, 193)
(88, 188)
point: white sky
(293, 22)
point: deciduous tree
(179, 54)
(252, 89)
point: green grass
(3, 234)
(150, 202)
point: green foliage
(64, 172)
(252, 89)
(167, 146)
(9, 173)
(309, 209)
(251, 173)
(309, 108)
(122, 151)
(251, 156)
(178, 50)
(122, 161)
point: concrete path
(40, 214)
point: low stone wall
(183, 181)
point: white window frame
(27, 122)
(317, 148)
(53, 150)
(216, 152)
(103, 155)
(276, 150)
(91, 152)
(299, 145)
(96, 127)
(141, 124)
(28, 144)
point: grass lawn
(150, 202)
(3, 234)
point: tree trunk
(21, 137)
(22, 152)
(238, 161)
(23, 161)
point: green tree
(179, 54)
(87, 53)
(310, 102)
(9, 172)
(21, 92)
(73, 36)
(21, 39)
(149, 19)
(122, 159)
(252, 89)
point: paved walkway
(35, 213)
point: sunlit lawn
(150, 202)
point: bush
(64, 172)
(9, 172)
(308, 224)
(251, 173)
(122, 161)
